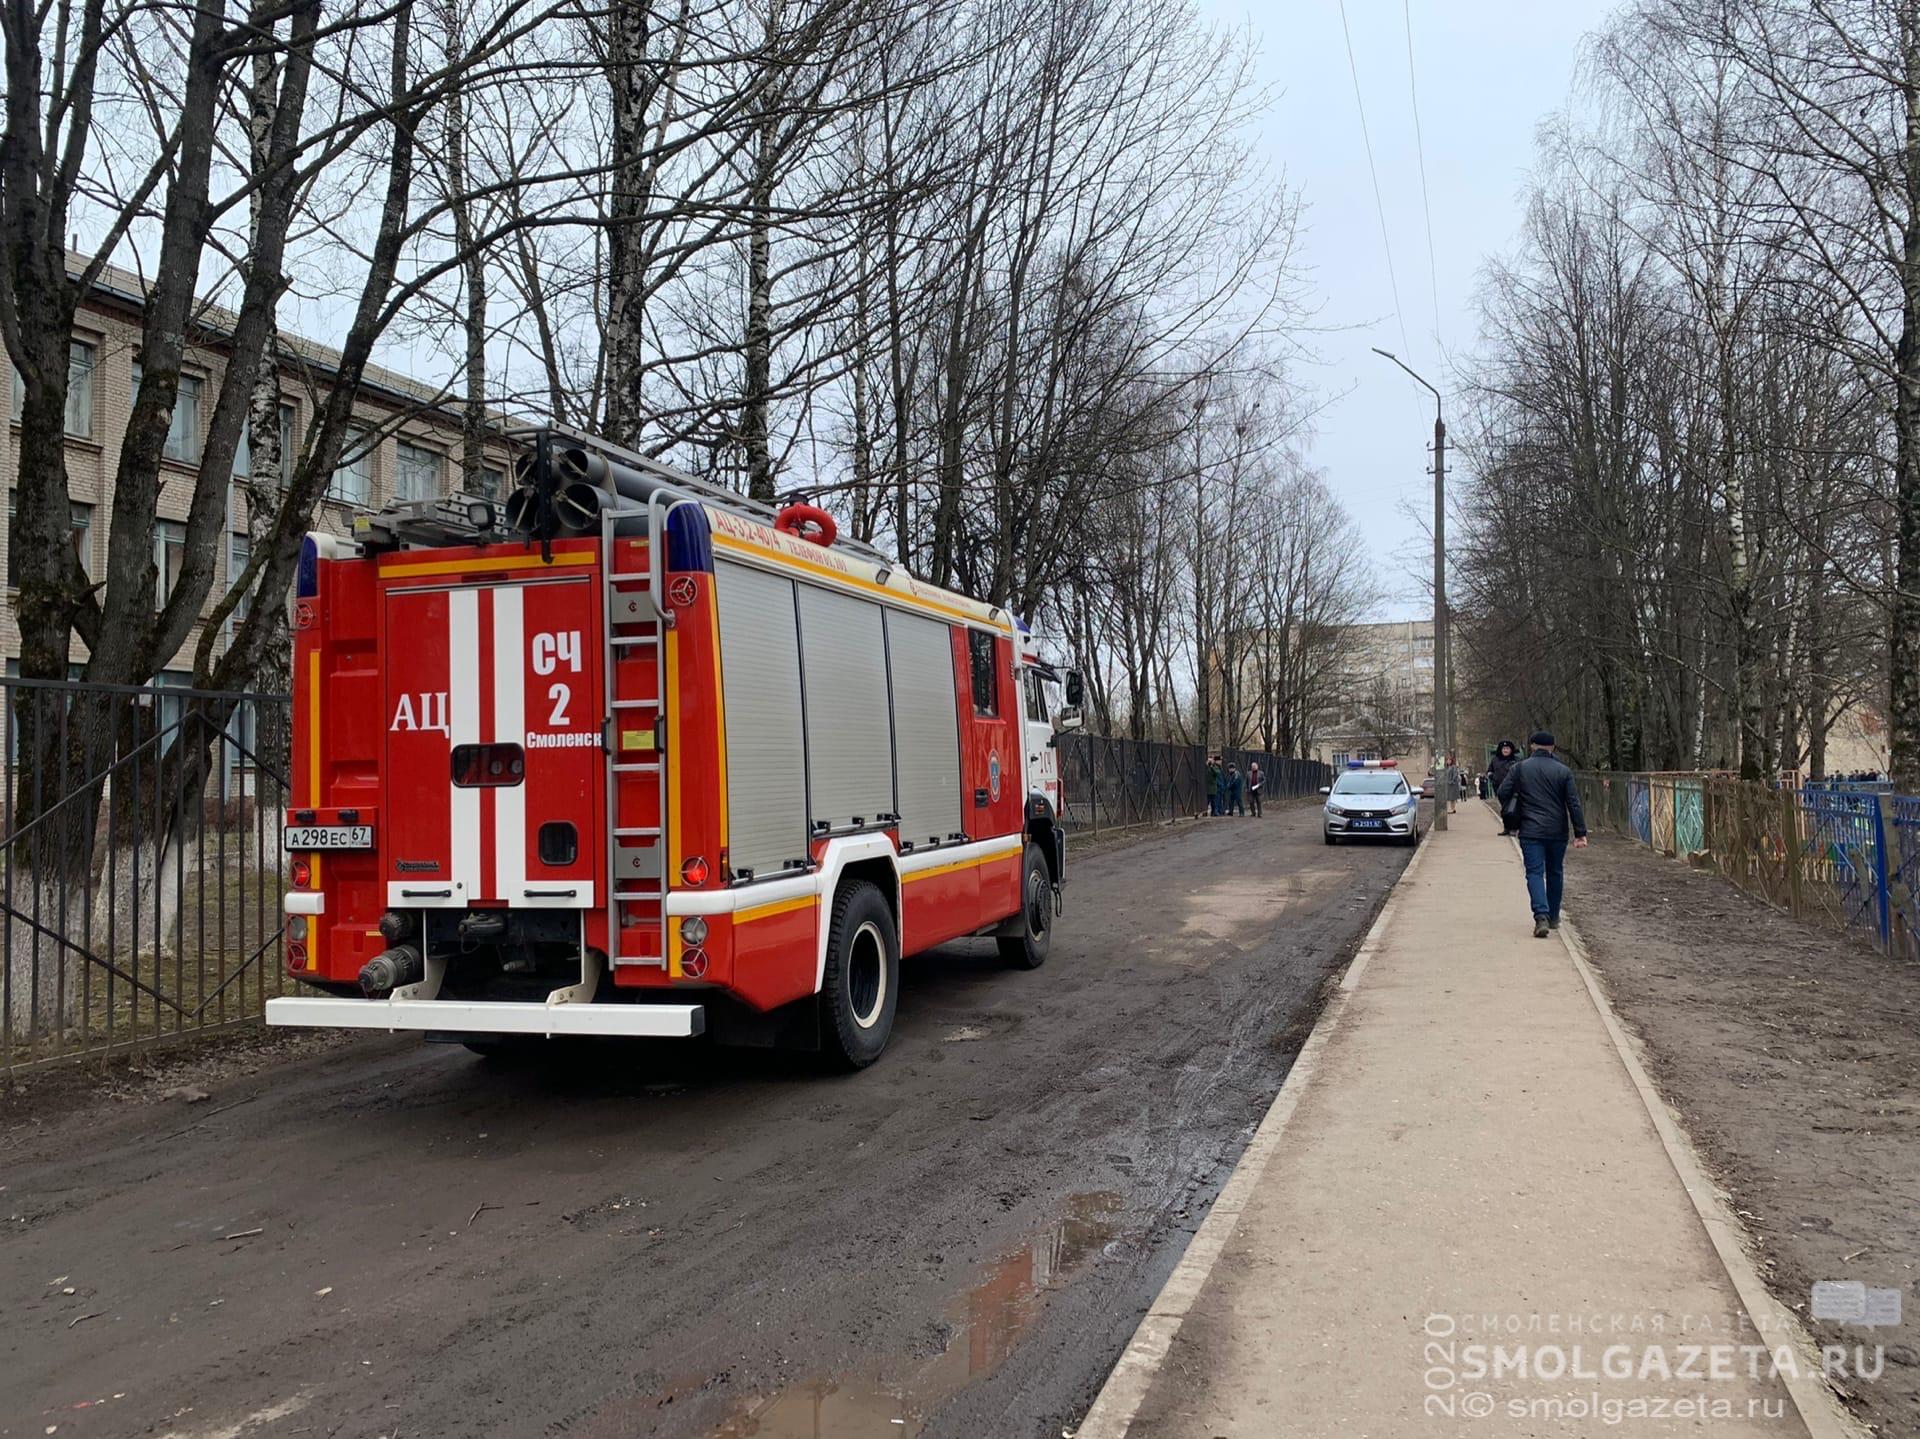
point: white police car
(1371, 800)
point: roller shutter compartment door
(843, 657)
(766, 756)
(926, 728)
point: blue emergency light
(1372, 763)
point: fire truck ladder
(633, 621)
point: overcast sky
(1487, 72)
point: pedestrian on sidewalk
(1256, 781)
(1234, 782)
(1215, 785)
(1498, 768)
(1541, 792)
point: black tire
(861, 986)
(1028, 949)
(1327, 835)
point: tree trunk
(1903, 725)
(629, 30)
(757, 352)
(473, 272)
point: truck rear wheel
(861, 986)
(1028, 949)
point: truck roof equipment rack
(456, 519)
(556, 459)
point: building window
(352, 481)
(243, 735)
(170, 709)
(169, 552)
(16, 695)
(493, 482)
(243, 452)
(239, 551)
(80, 519)
(418, 474)
(981, 651)
(183, 428)
(79, 390)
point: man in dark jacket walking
(1546, 800)
(1498, 768)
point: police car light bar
(1373, 764)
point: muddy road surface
(400, 1239)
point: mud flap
(1059, 871)
(794, 1026)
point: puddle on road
(986, 1325)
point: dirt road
(391, 1238)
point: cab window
(1036, 697)
(986, 674)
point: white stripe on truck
(509, 727)
(463, 704)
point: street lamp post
(1442, 670)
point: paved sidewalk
(1462, 1158)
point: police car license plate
(327, 836)
(1369, 824)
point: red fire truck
(641, 757)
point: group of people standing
(1229, 791)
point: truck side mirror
(1068, 719)
(1076, 690)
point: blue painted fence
(1847, 854)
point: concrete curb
(1818, 1406)
(1126, 1388)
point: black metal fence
(1108, 782)
(140, 865)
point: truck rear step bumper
(653, 1021)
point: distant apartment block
(1383, 700)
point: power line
(1420, 149)
(1379, 206)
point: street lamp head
(1418, 377)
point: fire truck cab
(643, 758)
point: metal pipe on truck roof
(579, 466)
(579, 505)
